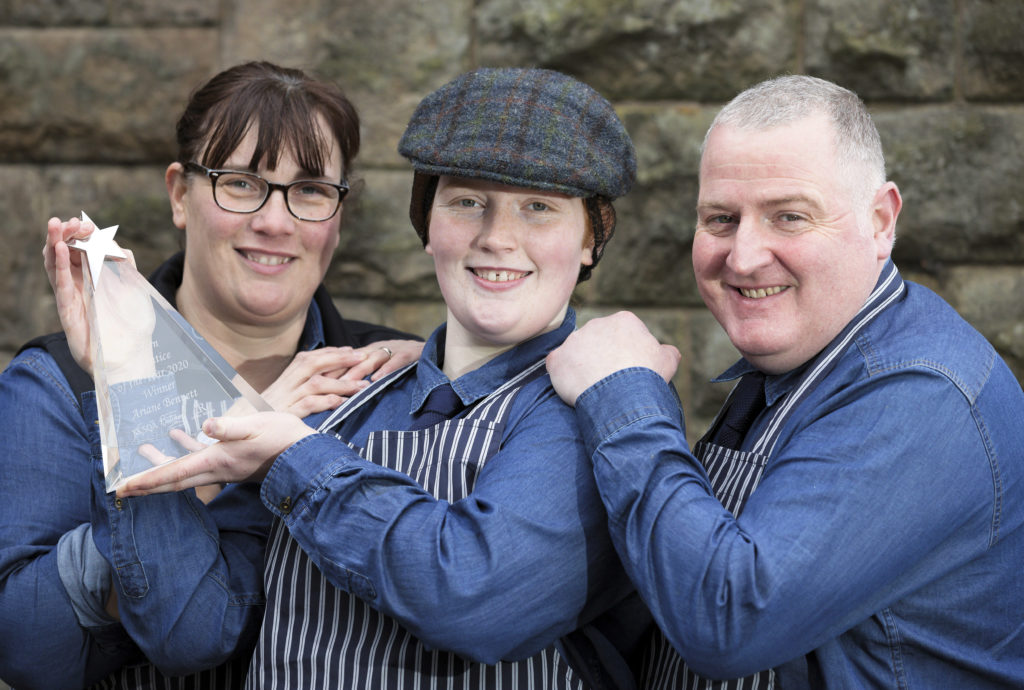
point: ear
(177, 188)
(884, 210)
(426, 244)
(587, 251)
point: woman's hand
(123, 307)
(318, 380)
(64, 270)
(248, 447)
(384, 357)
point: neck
(462, 357)
(259, 353)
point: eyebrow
(796, 198)
(771, 203)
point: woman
(444, 528)
(249, 282)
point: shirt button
(119, 503)
(285, 505)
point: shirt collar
(483, 380)
(313, 332)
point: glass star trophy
(153, 372)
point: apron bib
(735, 474)
(333, 639)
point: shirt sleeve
(44, 496)
(189, 576)
(865, 499)
(504, 572)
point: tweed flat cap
(531, 128)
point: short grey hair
(789, 98)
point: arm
(188, 575)
(45, 496)
(521, 561)
(842, 524)
(504, 572)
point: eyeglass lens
(244, 193)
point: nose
(499, 229)
(751, 246)
(274, 217)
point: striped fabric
(735, 474)
(317, 636)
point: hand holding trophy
(153, 373)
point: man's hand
(604, 346)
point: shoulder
(35, 363)
(923, 333)
(33, 387)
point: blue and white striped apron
(317, 636)
(735, 474)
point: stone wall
(91, 90)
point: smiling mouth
(758, 293)
(499, 276)
(267, 259)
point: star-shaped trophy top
(99, 245)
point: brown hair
(283, 103)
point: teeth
(499, 276)
(266, 259)
(757, 293)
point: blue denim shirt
(187, 603)
(884, 544)
(522, 560)
(54, 582)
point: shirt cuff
(86, 577)
(621, 399)
(299, 472)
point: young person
(443, 527)
(249, 282)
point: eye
(236, 182)
(312, 189)
(790, 217)
(539, 206)
(468, 203)
(719, 222)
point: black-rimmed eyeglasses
(244, 192)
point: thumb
(228, 428)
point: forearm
(188, 578)
(45, 497)
(37, 622)
(820, 544)
(499, 574)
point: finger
(392, 364)
(404, 352)
(190, 444)
(153, 454)
(187, 472)
(311, 404)
(231, 428)
(669, 364)
(374, 360)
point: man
(883, 544)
